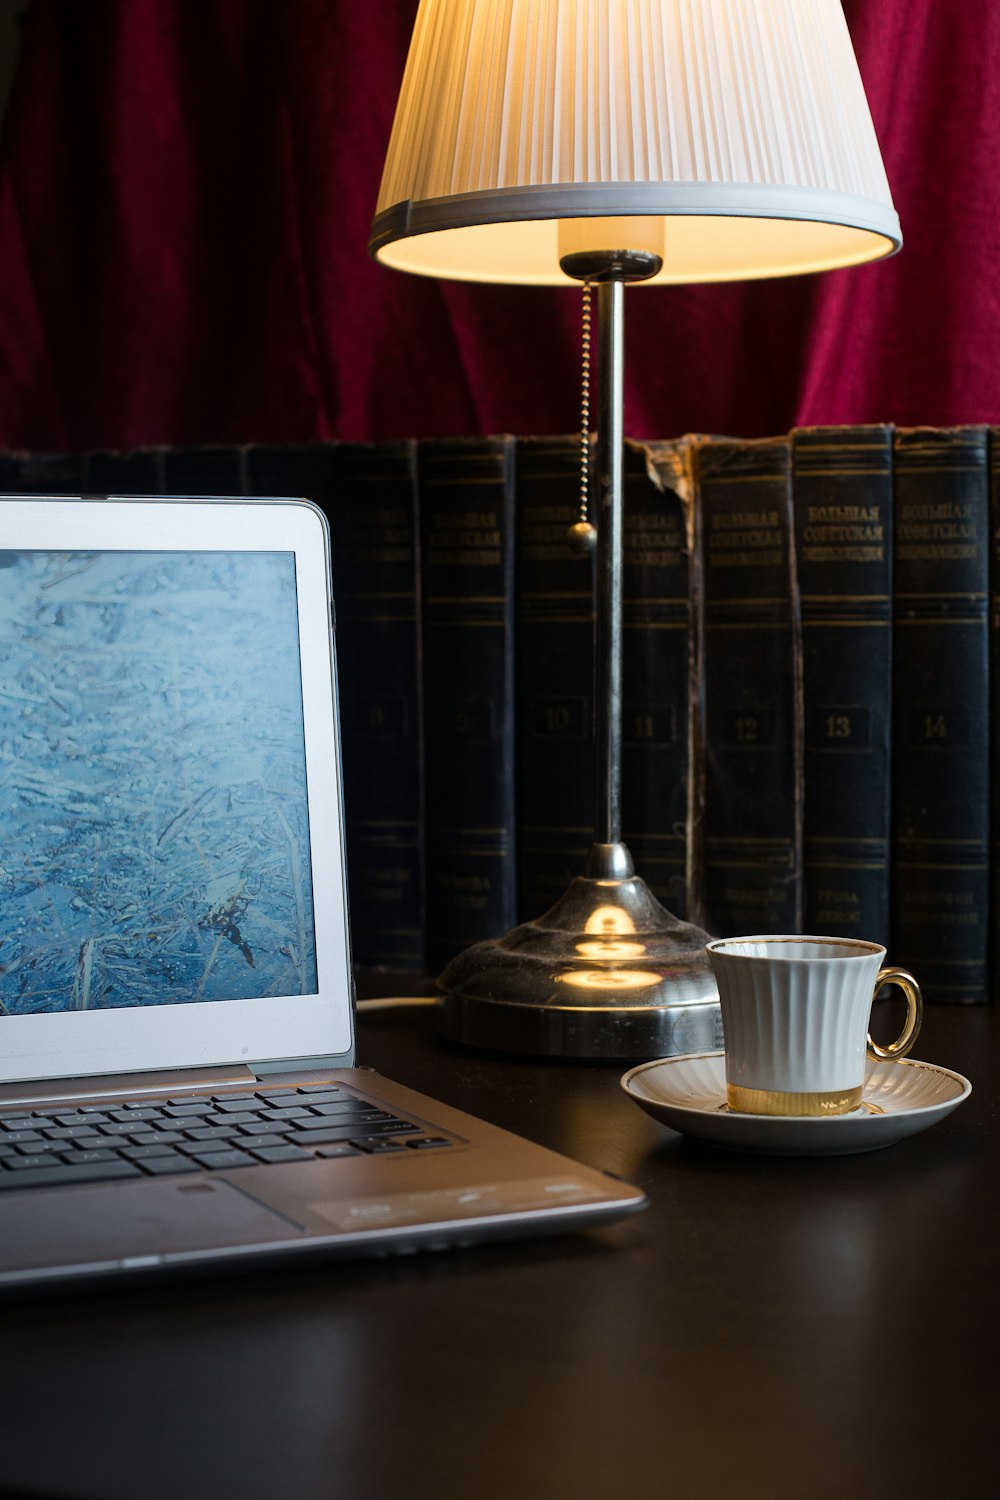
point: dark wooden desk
(768, 1329)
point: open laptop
(178, 1087)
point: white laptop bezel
(263, 1030)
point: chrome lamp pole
(607, 971)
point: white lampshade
(743, 123)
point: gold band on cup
(780, 1102)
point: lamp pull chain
(582, 535)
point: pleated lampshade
(733, 136)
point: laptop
(179, 1089)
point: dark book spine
(205, 471)
(374, 524)
(842, 484)
(655, 665)
(940, 711)
(368, 493)
(43, 473)
(753, 698)
(555, 675)
(130, 471)
(466, 492)
(994, 659)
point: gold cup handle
(914, 1015)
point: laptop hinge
(167, 1081)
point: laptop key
(365, 1116)
(379, 1144)
(325, 1129)
(161, 1166)
(252, 1142)
(140, 1153)
(218, 1160)
(89, 1158)
(342, 1107)
(426, 1141)
(357, 1123)
(59, 1176)
(342, 1148)
(326, 1137)
(271, 1154)
(350, 1132)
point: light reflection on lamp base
(605, 973)
(608, 979)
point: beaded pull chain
(582, 535)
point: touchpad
(87, 1226)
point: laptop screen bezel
(206, 1033)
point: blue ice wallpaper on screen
(154, 833)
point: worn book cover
(662, 750)
(210, 470)
(940, 767)
(994, 656)
(130, 471)
(842, 484)
(555, 675)
(43, 473)
(467, 599)
(753, 688)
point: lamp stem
(610, 507)
(606, 971)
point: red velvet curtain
(185, 193)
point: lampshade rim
(535, 201)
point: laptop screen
(152, 781)
(172, 889)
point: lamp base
(607, 972)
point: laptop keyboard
(197, 1133)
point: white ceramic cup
(795, 1014)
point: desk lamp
(614, 143)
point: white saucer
(688, 1093)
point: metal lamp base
(607, 972)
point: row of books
(807, 678)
